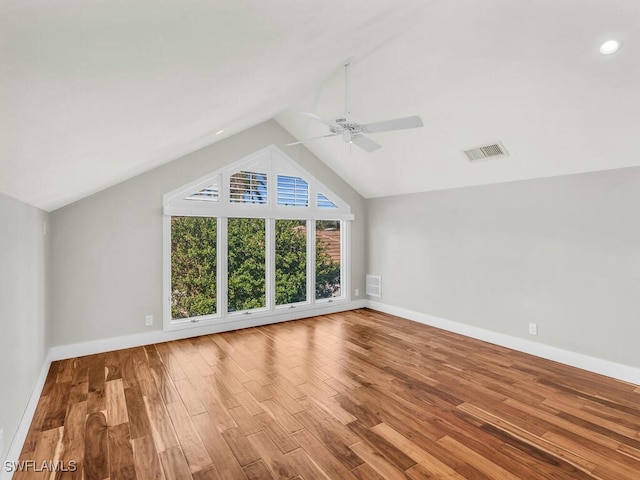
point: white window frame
(274, 162)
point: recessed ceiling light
(219, 132)
(610, 46)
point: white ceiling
(94, 92)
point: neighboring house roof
(331, 238)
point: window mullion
(345, 258)
(270, 259)
(166, 254)
(291, 195)
(311, 260)
(223, 266)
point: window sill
(246, 319)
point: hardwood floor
(355, 395)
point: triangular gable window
(324, 202)
(207, 194)
(259, 236)
(265, 184)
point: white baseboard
(618, 371)
(585, 362)
(13, 454)
(157, 336)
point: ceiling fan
(352, 130)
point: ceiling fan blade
(317, 118)
(309, 139)
(365, 143)
(397, 124)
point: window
(324, 202)
(247, 240)
(248, 187)
(247, 281)
(328, 256)
(291, 261)
(207, 194)
(193, 267)
(292, 191)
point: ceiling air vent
(486, 151)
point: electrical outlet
(533, 329)
(148, 320)
(357, 292)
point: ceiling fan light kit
(352, 130)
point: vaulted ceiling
(95, 92)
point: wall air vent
(486, 151)
(373, 285)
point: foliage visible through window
(324, 202)
(248, 187)
(246, 285)
(279, 239)
(292, 191)
(328, 254)
(291, 261)
(193, 266)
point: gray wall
(23, 307)
(563, 252)
(107, 248)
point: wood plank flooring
(355, 395)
